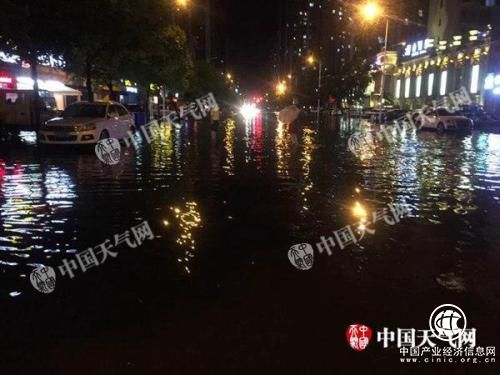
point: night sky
(252, 28)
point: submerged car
(480, 116)
(87, 123)
(441, 119)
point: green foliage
(207, 79)
(349, 83)
(163, 59)
(133, 40)
(103, 41)
(29, 28)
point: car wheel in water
(440, 127)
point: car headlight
(84, 128)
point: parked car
(480, 117)
(87, 123)
(441, 119)
(394, 114)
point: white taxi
(87, 123)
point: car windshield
(444, 112)
(85, 110)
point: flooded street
(215, 288)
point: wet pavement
(214, 292)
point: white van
(16, 108)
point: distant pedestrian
(214, 119)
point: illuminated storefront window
(444, 79)
(474, 84)
(407, 87)
(418, 86)
(430, 84)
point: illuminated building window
(444, 79)
(430, 84)
(398, 89)
(474, 84)
(407, 87)
(418, 86)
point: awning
(26, 83)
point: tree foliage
(29, 30)
(102, 41)
(207, 79)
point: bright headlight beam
(249, 111)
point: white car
(87, 123)
(441, 119)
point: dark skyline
(252, 33)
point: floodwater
(214, 291)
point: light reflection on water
(50, 203)
(187, 218)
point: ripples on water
(53, 203)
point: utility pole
(382, 79)
(208, 33)
(319, 87)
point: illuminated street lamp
(229, 76)
(311, 60)
(281, 88)
(182, 3)
(370, 11)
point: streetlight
(311, 60)
(370, 11)
(182, 3)
(281, 88)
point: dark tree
(30, 30)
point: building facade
(460, 51)
(334, 32)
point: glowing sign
(44, 60)
(489, 82)
(492, 82)
(418, 48)
(7, 81)
(474, 85)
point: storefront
(16, 92)
(427, 73)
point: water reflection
(187, 218)
(282, 150)
(229, 142)
(306, 159)
(53, 203)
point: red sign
(7, 81)
(358, 336)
